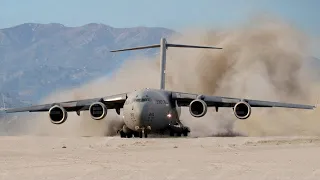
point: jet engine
(242, 110)
(58, 114)
(198, 108)
(98, 110)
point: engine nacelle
(98, 110)
(242, 110)
(198, 108)
(58, 114)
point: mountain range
(36, 59)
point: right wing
(112, 102)
(184, 99)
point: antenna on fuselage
(163, 48)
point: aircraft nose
(140, 111)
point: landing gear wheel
(122, 134)
(145, 135)
(185, 133)
(129, 135)
(136, 134)
(171, 133)
(140, 134)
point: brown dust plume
(261, 59)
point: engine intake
(58, 114)
(98, 110)
(198, 108)
(242, 110)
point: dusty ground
(27, 157)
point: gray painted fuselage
(149, 107)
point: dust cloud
(261, 59)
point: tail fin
(163, 48)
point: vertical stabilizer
(163, 49)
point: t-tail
(163, 48)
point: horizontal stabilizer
(191, 46)
(137, 48)
(166, 45)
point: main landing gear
(178, 130)
(140, 132)
(174, 130)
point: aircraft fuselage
(149, 108)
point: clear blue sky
(174, 14)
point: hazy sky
(174, 14)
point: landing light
(169, 115)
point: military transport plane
(153, 110)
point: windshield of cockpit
(142, 100)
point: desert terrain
(263, 59)
(36, 157)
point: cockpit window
(142, 100)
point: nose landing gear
(143, 132)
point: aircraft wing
(112, 102)
(184, 99)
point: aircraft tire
(129, 135)
(136, 134)
(185, 133)
(122, 134)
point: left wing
(112, 102)
(184, 99)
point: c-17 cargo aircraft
(148, 110)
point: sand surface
(27, 157)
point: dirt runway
(28, 157)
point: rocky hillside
(35, 59)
